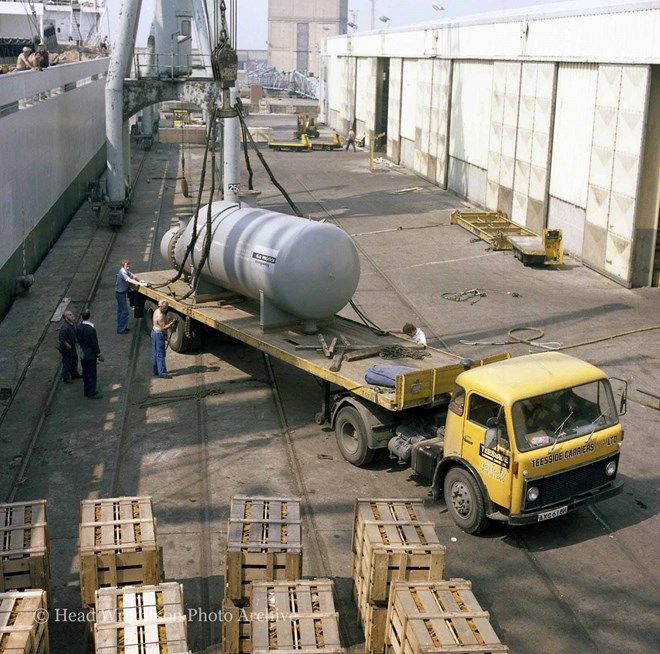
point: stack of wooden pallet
(294, 617)
(118, 545)
(24, 622)
(24, 577)
(264, 543)
(24, 556)
(392, 540)
(438, 616)
(141, 619)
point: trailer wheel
(148, 317)
(465, 502)
(351, 434)
(178, 340)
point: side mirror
(491, 436)
(623, 402)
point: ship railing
(170, 65)
(22, 90)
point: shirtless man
(159, 339)
(23, 60)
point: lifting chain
(224, 62)
(399, 352)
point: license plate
(555, 513)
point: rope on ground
(478, 293)
(552, 345)
(514, 339)
(146, 403)
(399, 352)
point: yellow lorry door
(492, 458)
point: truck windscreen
(563, 415)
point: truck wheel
(178, 341)
(464, 501)
(148, 317)
(351, 436)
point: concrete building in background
(551, 115)
(296, 29)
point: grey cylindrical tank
(307, 269)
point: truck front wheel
(351, 434)
(465, 502)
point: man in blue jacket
(124, 278)
(67, 348)
(90, 353)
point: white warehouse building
(550, 114)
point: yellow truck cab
(528, 439)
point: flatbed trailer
(292, 146)
(429, 385)
(332, 144)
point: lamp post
(385, 19)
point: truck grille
(557, 488)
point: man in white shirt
(415, 334)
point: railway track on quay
(232, 421)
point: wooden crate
(264, 543)
(436, 617)
(392, 542)
(236, 629)
(140, 620)
(23, 629)
(24, 560)
(294, 617)
(373, 620)
(118, 545)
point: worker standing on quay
(159, 339)
(124, 278)
(67, 348)
(90, 353)
(350, 140)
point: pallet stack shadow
(24, 577)
(141, 619)
(392, 540)
(264, 543)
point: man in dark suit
(67, 348)
(90, 353)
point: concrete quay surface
(586, 582)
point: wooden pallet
(23, 629)
(438, 617)
(298, 616)
(141, 620)
(118, 545)
(236, 629)
(392, 541)
(24, 560)
(264, 543)
(372, 618)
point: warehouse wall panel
(394, 110)
(619, 123)
(472, 84)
